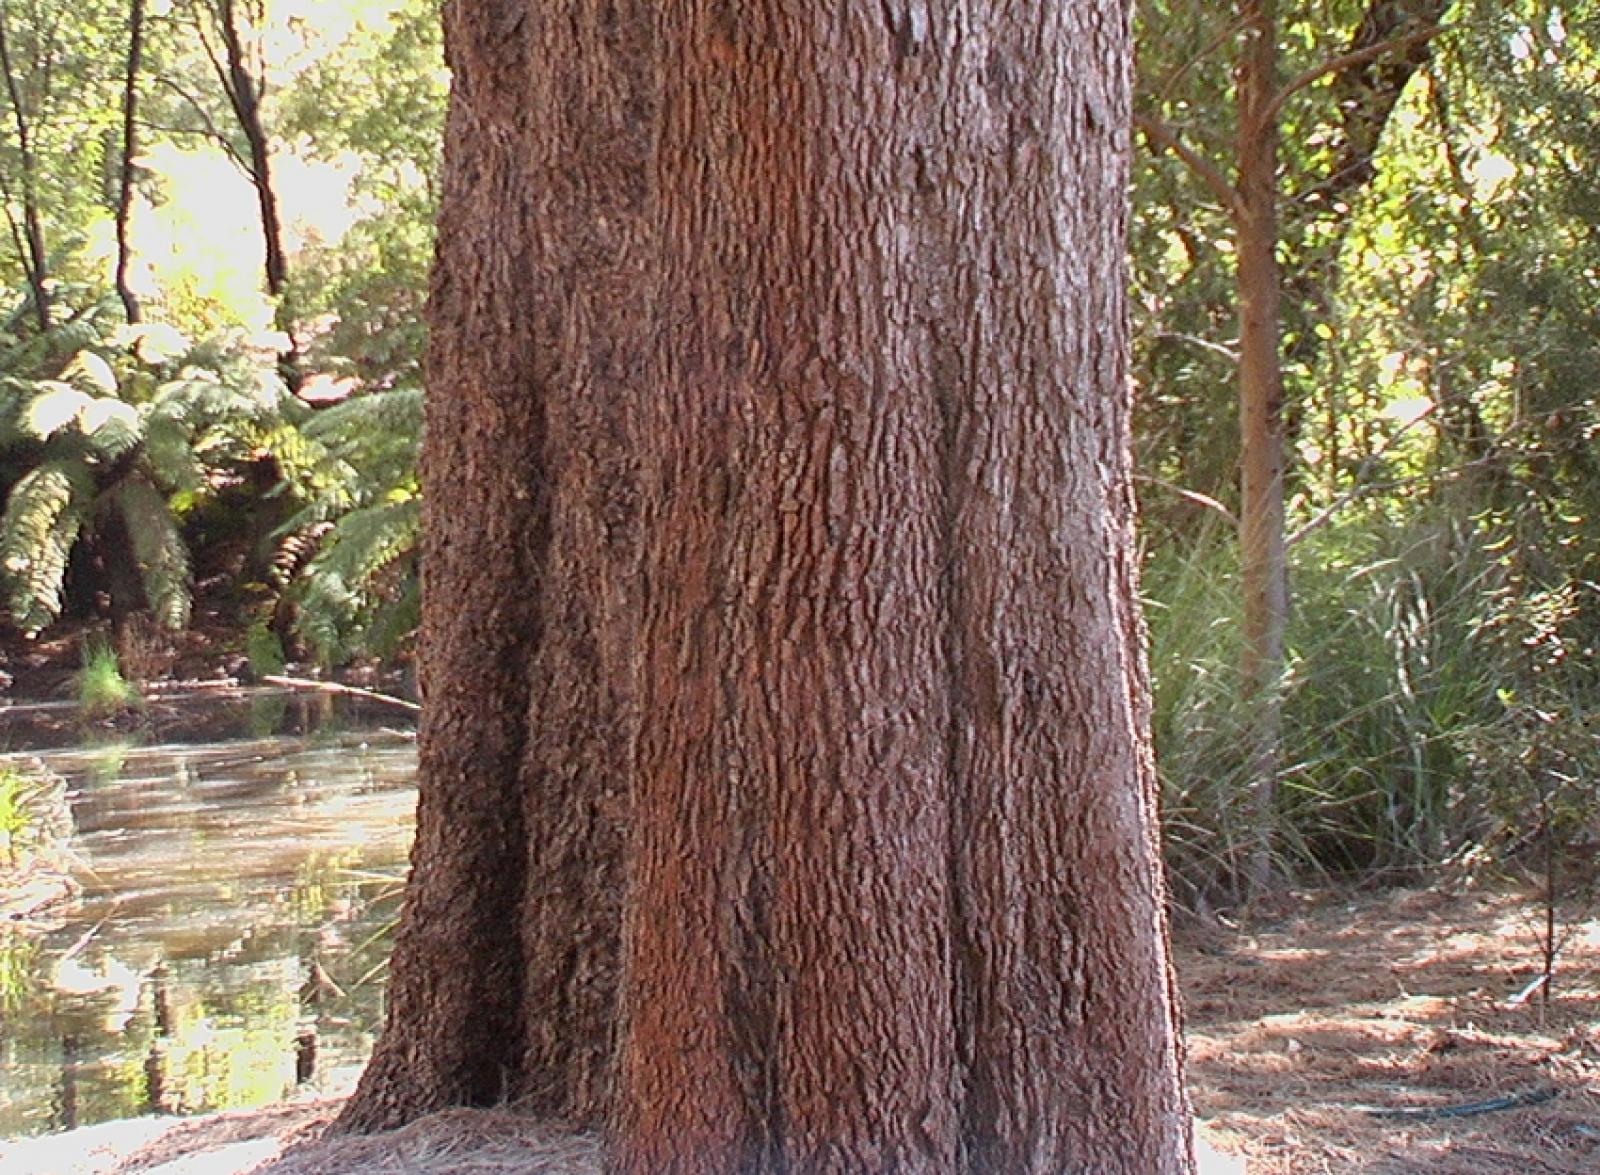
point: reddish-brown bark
(780, 597)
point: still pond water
(228, 944)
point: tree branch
(1188, 495)
(1229, 30)
(208, 127)
(1364, 489)
(1352, 60)
(1166, 138)
(1231, 354)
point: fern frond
(343, 589)
(159, 550)
(371, 442)
(395, 620)
(14, 396)
(153, 342)
(171, 457)
(87, 372)
(326, 618)
(84, 329)
(43, 516)
(55, 406)
(394, 413)
(296, 455)
(196, 397)
(366, 541)
(112, 427)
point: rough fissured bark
(786, 788)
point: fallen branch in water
(333, 687)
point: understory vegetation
(1440, 364)
(177, 431)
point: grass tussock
(1438, 707)
(103, 690)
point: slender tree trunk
(1263, 554)
(130, 142)
(29, 234)
(244, 95)
(786, 791)
(1390, 45)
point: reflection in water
(230, 938)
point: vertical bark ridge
(588, 171)
(454, 1029)
(1060, 891)
(694, 1086)
(861, 798)
(807, 887)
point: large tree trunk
(786, 792)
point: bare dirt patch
(1313, 1042)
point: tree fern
(297, 457)
(169, 448)
(44, 513)
(370, 539)
(53, 408)
(362, 511)
(14, 396)
(103, 421)
(112, 429)
(362, 580)
(158, 548)
(369, 444)
(91, 373)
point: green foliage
(264, 650)
(19, 966)
(377, 99)
(158, 551)
(34, 815)
(14, 817)
(108, 445)
(1441, 355)
(1183, 234)
(1197, 723)
(1435, 705)
(1389, 673)
(64, 62)
(120, 446)
(359, 591)
(44, 513)
(1390, 684)
(103, 691)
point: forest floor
(1305, 1035)
(1382, 1034)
